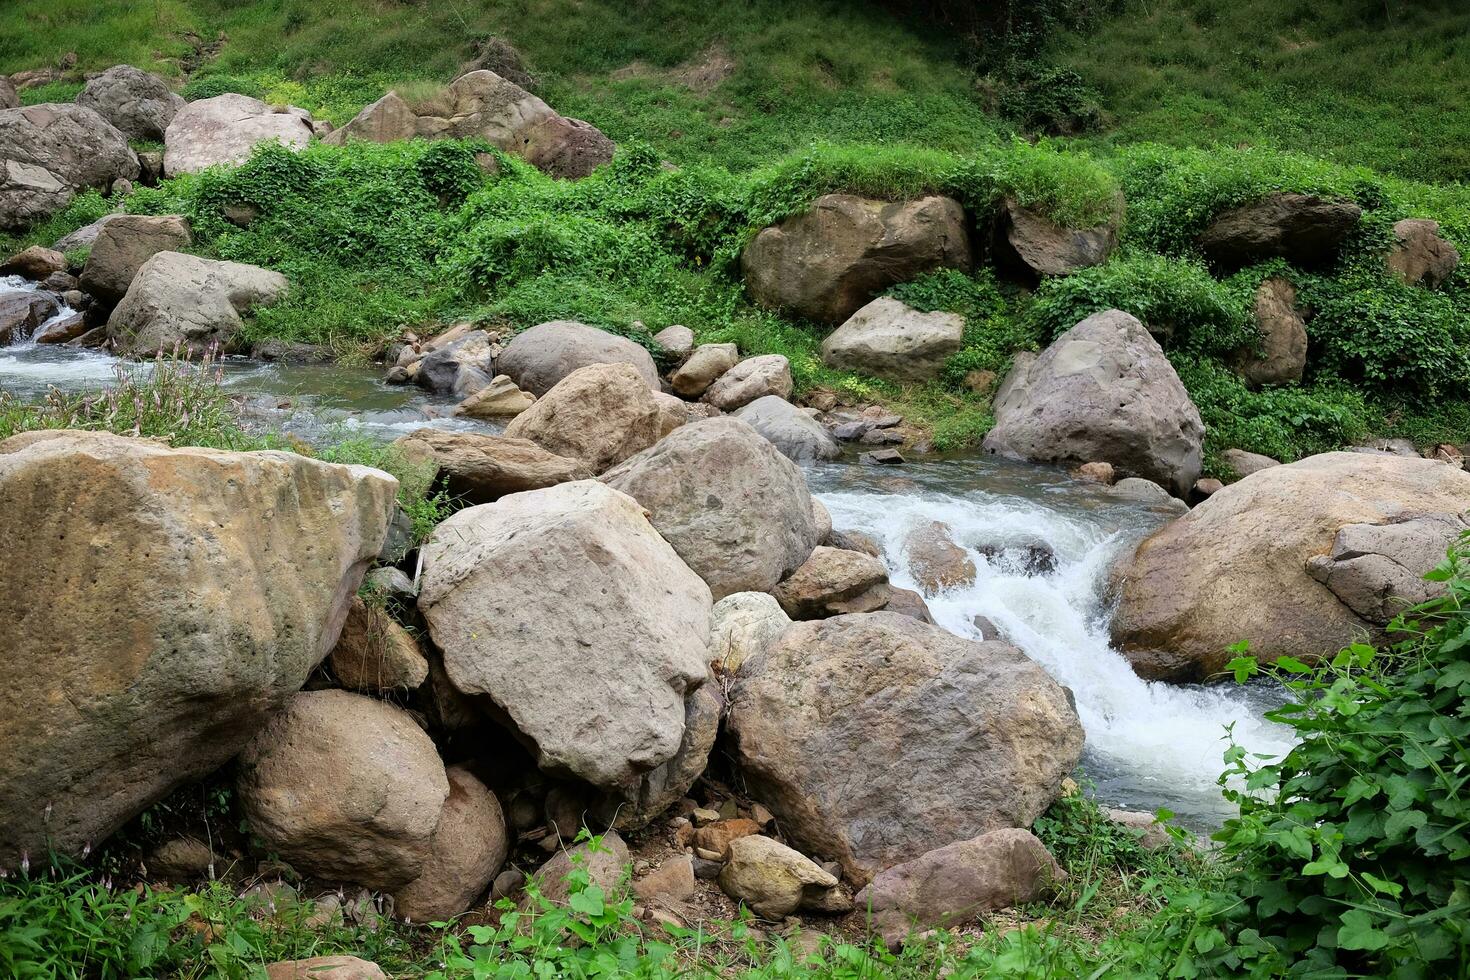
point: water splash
(1149, 745)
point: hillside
(569, 488)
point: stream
(1149, 745)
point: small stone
(1206, 487)
(761, 815)
(707, 855)
(675, 339)
(883, 457)
(881, 437)
(716, 837)
(702, 816)
(672, 881)
(507, 883)
(772, 879)
(705, 869)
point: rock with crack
(565, 612)
(833, 582)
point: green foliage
(1353, 850)
(169, 398)
(1371, 329)
(425, 506)
(994, 331)
(1284, 423)
(209, 86)
(1173, 193)
(83, 209)
(1177, 299)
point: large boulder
(793, 431)
(587, 631)
(225, 130)
(888, 339)
(754, 377)
(481, 104)
(875, 738)
(600, 414)
(1282, 355)
(1304, 229)
(735, 509)
(49, 152)
(950, 884)
(344, 787)
(483, 468)
(124, 244)
(468, 847)
(193, 303)
(21, 312)
(1043, 248)
(537, 359)
(187, 593)
(827, 262)
(1420, 255)
(1102, 391)
(140, 105)
(1240, 565)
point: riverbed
(1149, 745)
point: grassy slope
(1382, 83)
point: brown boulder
(827, 262)
(1044, 248)
(948, 885)
(833, 582)
(875, 738)
(124, 244)
(1283, 346)
(599, 415)
(1237, 566)
(483, 468)
(188, 593)
(375, 654)
(34, 263)
(325, 968)
(468, 847)
(935, 561)
(344, 787)
(1421, 256)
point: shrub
(1372, 329)
(992, 333)
(210, 86)
(1177, 299)
(1354, 857)
(1285, 423)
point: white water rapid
(1149, 745)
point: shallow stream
(1149, 745)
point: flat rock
(483, 468)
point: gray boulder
(461, 368)
(539, 357)
(207, 587)
(664, 785)
(344, 787)
(790, 429)
(123, 245)
(875, 738)
(888, 339)
(226, 130)
(677, 339)
(1102, 391)
(1044, 248)
(735, 509)
(827, 262)
(194, 303)
(49, 152)
(140, 105)
(1304, 229)
(1377, 570)
(85, 236)
(585, 629)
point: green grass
(1378, 83)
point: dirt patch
(700, 75)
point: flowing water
(1148, 745)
